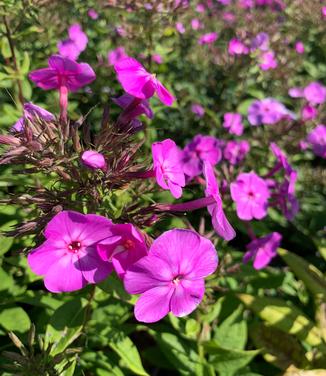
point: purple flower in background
(267, 60)
(296, 92)
(121, 31)
(236, 47)
(115, 55)
(317, 139)
(228, 17)
(139, 83)
(200, 149)
(171, 277)
(63, 72)
(260, 42)
(167, 158)
(323, 12)
(68, 258)
(92, 14)
(31, 111)
(246, 4)
(220, 223)
(250, 194)
(75, 44)
(299, 47)
(308, 112)
(94, 160)
(263, 250)
(197, 109)
(180, 28)
(200, 8)
(125, 247)
(268, 111)
(236, 151)
(282, 160)
(208, 38)
(315, 93)
(233, 123)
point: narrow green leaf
(284, 316)
(308, 273)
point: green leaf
(127, 351)
(5, 48)
(284, 316)
(308, 273)
(179, 352)
(6, 280)
(65, 325)
(25, 64)
(279, 348)
(232, 333)
(227, 361)
(15, 319)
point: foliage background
(251, 322)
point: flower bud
(94, 160)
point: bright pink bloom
(250, 194)
(198, 109)
(180, 27)
(125, 247)
(233, 123)
(63, 72)
(208, 38)
(75, 44)
(94, 160)
(323, 11)
(317, 139)
(168, 169)
(115, 55)
(308, 112)
(299, 47)
(68, 258)
(200, 149)
(263, 250)
(315, 93)
(236, 47)
(220, 223)
(157, 59)
(267, 60)
(236, 151)
(171, 277)
(138, 82)
(92, 14)
(31, 111)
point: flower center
(251, 194)
(176, 280)
(129, 244)
(74, 247)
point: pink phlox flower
(260, 42)
(208, 38)
(220, 223)
(157, 59)
(75, 44)
(299, 47)
(198, 109)
(235, 151)
(263, 250)
(180, 27)
(31, 110)
(268, 111)
(141, 108)
(296, 92)
(94, 160)
(167, 158)
(171, 277)
(136, 81)
(92, 14)
(68, 258)
(315, 93)
(124, 248)
(200, 8)
(267, 60)
(63, 72)
(236, 47)
(317, 139)
(117, 54)
(233, 123)
(308, 112)
(196, 24)
(200, 149)
(250, 194)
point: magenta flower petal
(164, 95)
(154, 304)
(44, 78)
(187, 296)
(220, 223)
(63, 276)
(93, 268)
